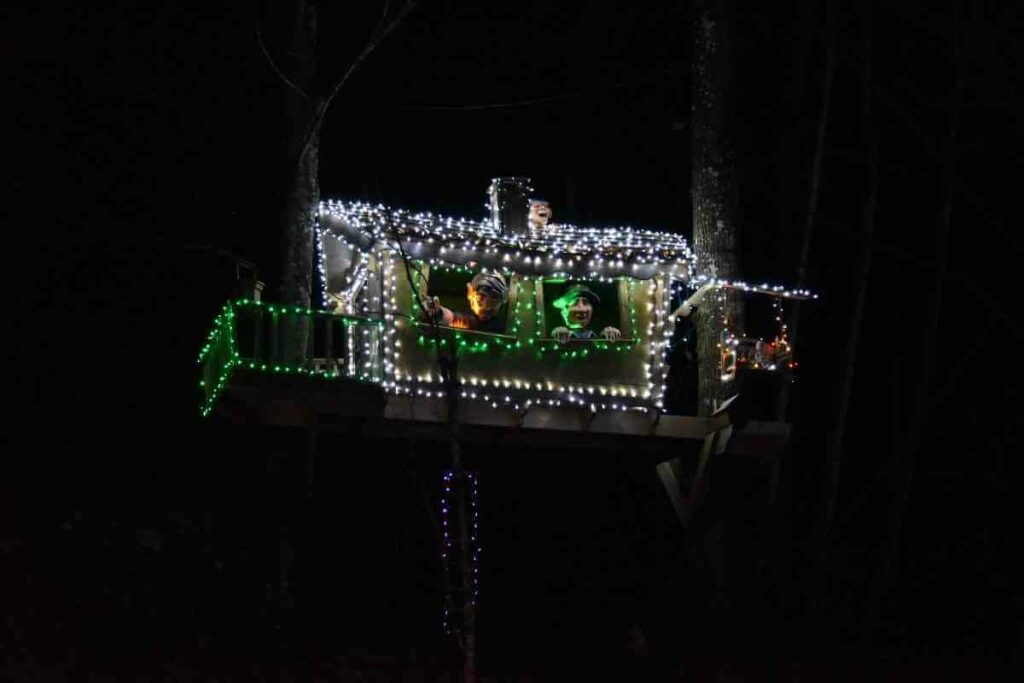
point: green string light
(220, 356)
(502, 345)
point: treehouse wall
(528, 354)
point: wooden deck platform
(349, 406)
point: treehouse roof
(562, 250)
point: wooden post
(329, 340)
(671, 475)
(274, 353)
(697, 486)
(671, 471)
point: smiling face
(483, 302)
(578, 314)
(540, 214)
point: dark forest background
(144, 142)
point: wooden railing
(285, 339)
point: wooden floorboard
(351, 407)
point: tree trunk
(302, 189)
(301, 202)
(301, 199)
(715, 234)
(298, 222)
(849, 358)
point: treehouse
(509, 333)
(530, 326)
(384, 263)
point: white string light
(371, 233)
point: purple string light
(458, 482)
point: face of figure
(578, 314)
(540, 214)
(483, 302)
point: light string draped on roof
(618, 248)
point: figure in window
(540, 215)
(486, 294)
(577, 309)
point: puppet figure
(577, 309)
(540, 215)
(486, 294)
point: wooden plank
(287, 413)
(623, 422)
(538, 301)
(513, 299)
(342, 401)
(687, 426)
(625, 324)
(564, 419)
(697, 485)
(759, 439)
(669, 474)
(415, 408)
(482, 414)
(328, 339)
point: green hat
(575, 292)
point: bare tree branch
(383, 17)
(933, 149)
(273, 65)
(497, 105)
(965, 280)
(901, 255)
(782, 401)
(869, 135)
(936, 399)
(542, 99)
(906, 456)
(324, 102)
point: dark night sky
(146, 135)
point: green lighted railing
(264, 337)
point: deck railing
(265, 337)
